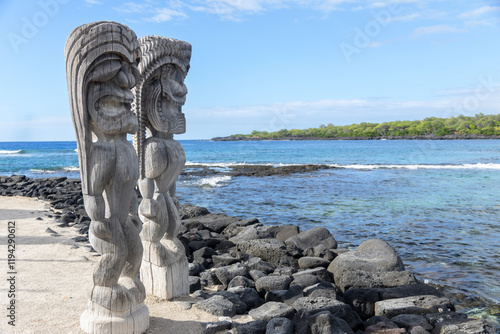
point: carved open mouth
(113, 100)
(113, 105)
(110, 108)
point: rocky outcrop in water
(253, 170)
(287, 280)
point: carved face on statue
(161, 93)
(168, 95)
(109, 95)
(101, 67)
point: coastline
(216, 241)
(425, 137)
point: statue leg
(178, 266)
(153, 214)
(130, 273)
(122, 186)
(116, 304)
(105, 233)
(155, 223)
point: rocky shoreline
(424, 137)
(252, 170)
(287, 280)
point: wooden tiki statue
(101, 70)
(159, 97)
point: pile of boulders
(287, 280)
(290, 281)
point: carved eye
(170, 67)
(106, 70)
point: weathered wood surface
(101, 70)
(159, 97)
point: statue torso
(164, 161)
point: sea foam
(354, 166)
(420, 166)
(213, 181)
(10, 152)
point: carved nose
(178, 89)
(126, 78)
(131, 77)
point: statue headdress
(84, 46)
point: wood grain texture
(101, 70)
(159, 97)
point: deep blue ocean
(436, 202)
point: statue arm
(171, 191)
(100, 172)
(148, 206)
(134, 214)
(95, 206)
(96, 209)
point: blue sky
(268, 64)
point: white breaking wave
(215, 164)
(353, 166)
(232, 164)
(42, 171)
(10, 152)
(459, 166)
(213, 181)
(52, 171)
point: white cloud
(374, 44)
(237, 10)
(478, 17)
(93, 2)
(297, 109)
(387, 3)
(480, 12)
(487, 88)
(405, 18)
(234, 9)
(132, 7)
(159, 14)
(326, 6)
(223, 121)
(166, 14)
(437, 29)
(490, 22)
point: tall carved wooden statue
(160, 95)
(101, 70)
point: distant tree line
(480, 124)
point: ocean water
(435, 202)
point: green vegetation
(432, 126)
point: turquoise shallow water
(435, 202)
